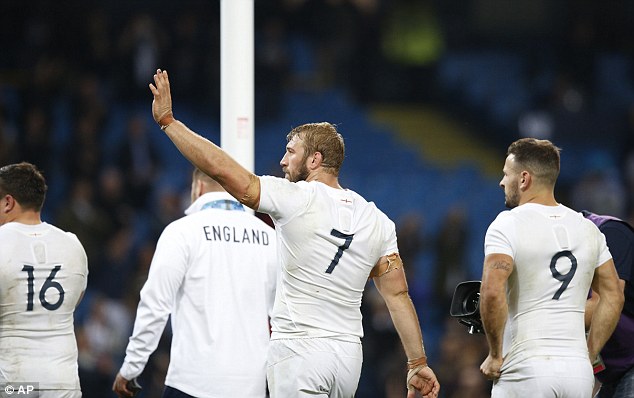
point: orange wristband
(166, 120)
(414, 363)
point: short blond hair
(323, 138)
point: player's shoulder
(63, 235)
(361, 201)
(369, 209)
(182, 223)
(506, 216)
(578, 218)
(275, 183)
(505, 221)
(52, 231)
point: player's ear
(8, 203)
(525, 180)
(316, 160)
(200, 188)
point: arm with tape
(389, 278)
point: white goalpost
(237, 80)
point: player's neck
(325, 178)
(540, 199)
(27, 217)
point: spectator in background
(191, 45)
(627, 165)
(410, 239)
(411, 245)
(116, 263)
(96, 41)
(412, 43)
(112, 197)
(140, 46)
(87, 98)
(101, 337)
(137, 155)
(618, 353)
(215, 272)
(8, 137)
(82, 214)
(35, 142)
(460, 355)
(84, 156)
(451, 245)
(272, 65)
(166, 206)
(600, 187)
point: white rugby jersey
(214, 271)
(555, 251)
(329, 240)
(43, 273)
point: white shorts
(313, 367)
(546, 377)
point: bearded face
(294, 161)
(301, 174)
(509, 183)
(511, 196)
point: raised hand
(162, 103)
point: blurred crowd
(74, 101)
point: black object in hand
(134, 386)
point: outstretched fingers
(162, 104)
(157, 82)
(161, 80)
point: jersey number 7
(343, 247)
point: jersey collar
(215, 200)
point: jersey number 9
(564, 278)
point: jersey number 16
(48, 284)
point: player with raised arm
(330, 241)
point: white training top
(214, 271)
(43, 273)
(329, 240)
(555, 251)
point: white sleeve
(83, 259)
(390, 239)
(500, 236)
(282, 199)
(167, 272)
(604, 252)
